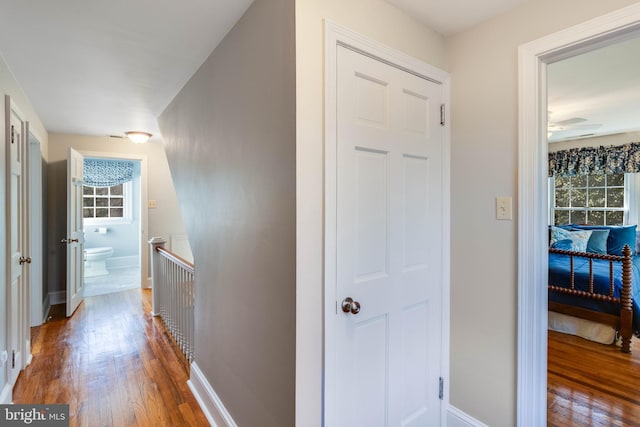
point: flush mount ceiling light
(138, 137)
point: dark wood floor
(591, 384)
(113, 363)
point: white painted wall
(9, 86)
(385, 23)
(163, 221)
(483, 64)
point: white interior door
(17, 330)
(75, 234)
(387, 346)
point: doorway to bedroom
(112, 222)
(594, 199)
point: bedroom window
(106, 204)
(591, 199)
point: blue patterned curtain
(595, 160)
(107, 172)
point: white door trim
(532, 196)
(337, 35)
(144, 207)
(36, 227)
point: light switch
(503, 208)
(152, 204)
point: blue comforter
(559, 275)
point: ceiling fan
(570, 128)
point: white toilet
(95, 261)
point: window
(106, 204)
(590, 199)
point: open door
(75, 234)
(18, 259)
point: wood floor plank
(113, 363)
(590, 384)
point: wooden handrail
(178, 260)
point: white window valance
(107, 172)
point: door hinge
(442, 115)
(441, 388)
(13, 359)
(13, 135)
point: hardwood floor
(113, 363)
(590, 384)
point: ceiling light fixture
(138, 137)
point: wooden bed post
(626, 307)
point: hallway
(113, 363)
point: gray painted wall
(230, 141)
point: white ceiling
(96, 67)
(595, 93)
(106, 67)
(452, 16)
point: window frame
(127, 218)
(630, 208)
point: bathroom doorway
(113, 223)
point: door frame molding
(145, 274)
(36, 237)
(337, 35)
(533, 58)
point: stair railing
(173, 294)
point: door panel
(371, 215)
(75, 233)
(370, 341)
(388, 246)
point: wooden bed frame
(622, 321)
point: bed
(594, 275)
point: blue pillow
(565, 244)
(619, 235)
(579, 238)
(598, 242)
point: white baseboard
(209, 402)
(29, 357)
(46, 305)
(5, 396)
(57, 297)
(457, 418)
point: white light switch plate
(152, 204)
(504, 208)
